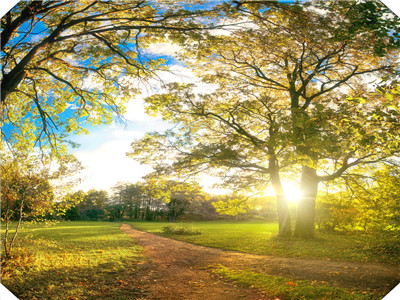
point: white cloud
(36, 38)
(107, 165)
(167, 49)
(135, 111)
(92, 81)
(103, 151)
(321, 12)
(231, 25)
(176, 73)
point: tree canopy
(33, 189)
(306, 90)
(70, 63)
(292, 93)
(177, 195)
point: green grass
(95, 260)
(283, 288)
(260, 238)
(74, 260)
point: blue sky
(102, 151)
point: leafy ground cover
(260, 238)
(74, 260)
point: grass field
(283, 288)
(96, 260)
(74, 260)
(260, 238)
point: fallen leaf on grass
(334, 273)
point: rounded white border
(6, 294)
(394, 5)
(393, 294)
(5, 6)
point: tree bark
(306, 207)
(281, 205)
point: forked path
(179, 270)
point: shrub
(180, 229)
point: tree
(177, 196)
(31, 190)
(126, 200)
(73, 199)
(22, 197)
(368, 200)
(290, 96)
(375, 194)
(182, 196)
(233, 206)
(93, 205)
(70, 63)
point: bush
(18, 263)
(388, 243)
(180, 229)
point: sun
(293, 193)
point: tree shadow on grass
(76, 264)
(104, 281)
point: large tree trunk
(306, 206)
(283, 216)
(281, 201)
(282, 206)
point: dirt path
(178, 270)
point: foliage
(368, 201)
(201, 210)
(378, 199)
(180, 230)
(287, 93)
(73, 199)
(232, 206)
(286, 288)
(28, 192)
(93, 205)
(127, 199)
(176, 195)
(140, 201)
(74, 260)
(136, 202)
(335, 212)
(70, 63)
(24, 195)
